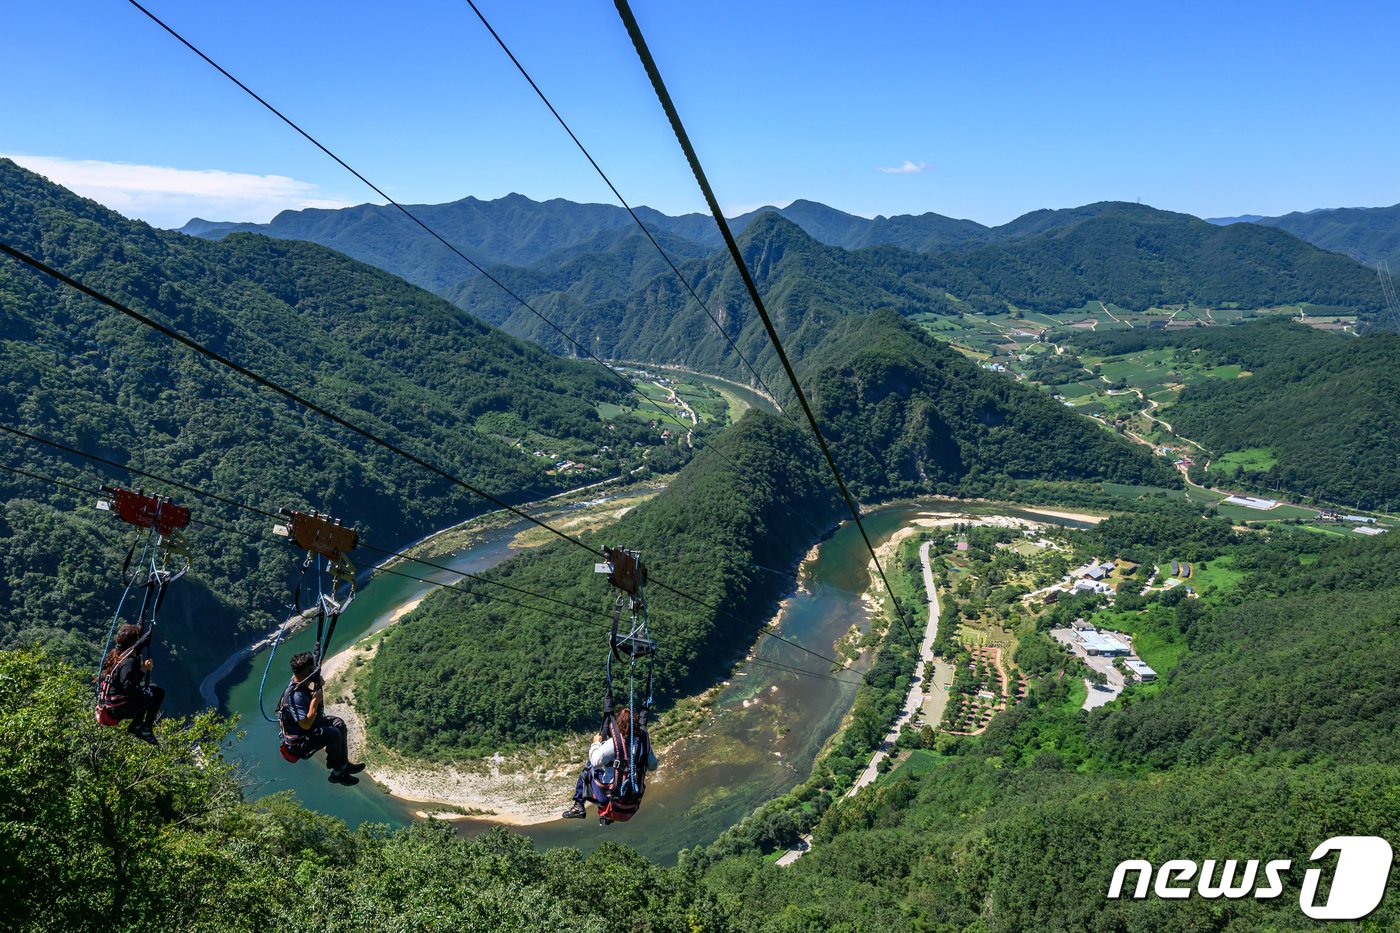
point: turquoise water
(768, 725)
(257, 752)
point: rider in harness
(306, 729)
(122, 691)
(615, 776)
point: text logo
(1357, 883)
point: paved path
(912, 704)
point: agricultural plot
(1249, 460)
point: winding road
(912, 703)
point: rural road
(912, 703)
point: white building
(1138, 667)
(1102, 644)
(1251, 502)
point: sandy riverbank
(520, 790)
(511, 791)
(1060, 513)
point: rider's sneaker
(576, 812)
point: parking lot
(1098, 696)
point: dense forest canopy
(389, 357)
(1324, 405)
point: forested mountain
(806, 286)
(1050, 260)
(1366, 234)
(1136, 257)
(385, 355)
(512, 230)
(464, 675)
(517, 231)
(904, 414)
(1277, 730)
(1324, 405)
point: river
(769, 723)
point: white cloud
(169, 197)
(908, 168)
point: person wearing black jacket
(306, 729)
(123, 692)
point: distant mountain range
(586, 267)
(437, 380)
(1366, 234)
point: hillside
(463, 675)
(806, 286)
(1366, 234)
(1137, 257)
(1322, 406)
(904, 415)
(385, 355)
(578, 266)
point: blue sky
(984, 111)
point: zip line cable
(623, 201)
(46, 269)
(286, 414)
(279, 389)
(413, 217)
(764, 631)
(236, 532)
(454, 588)
(437, 236)
(58, 445)
(649, 63)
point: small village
(1007, 585)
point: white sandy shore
(499, 789)
(534, 787)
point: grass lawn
(1322, 530)
(609, 412)
(919, 761)
(1215, 576)
(1129, 493)
(1208, 496)
(1250, 459)
(1155, 638)
(1078, 693)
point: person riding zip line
(600, 776)
(123, 692)
(306, 729)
